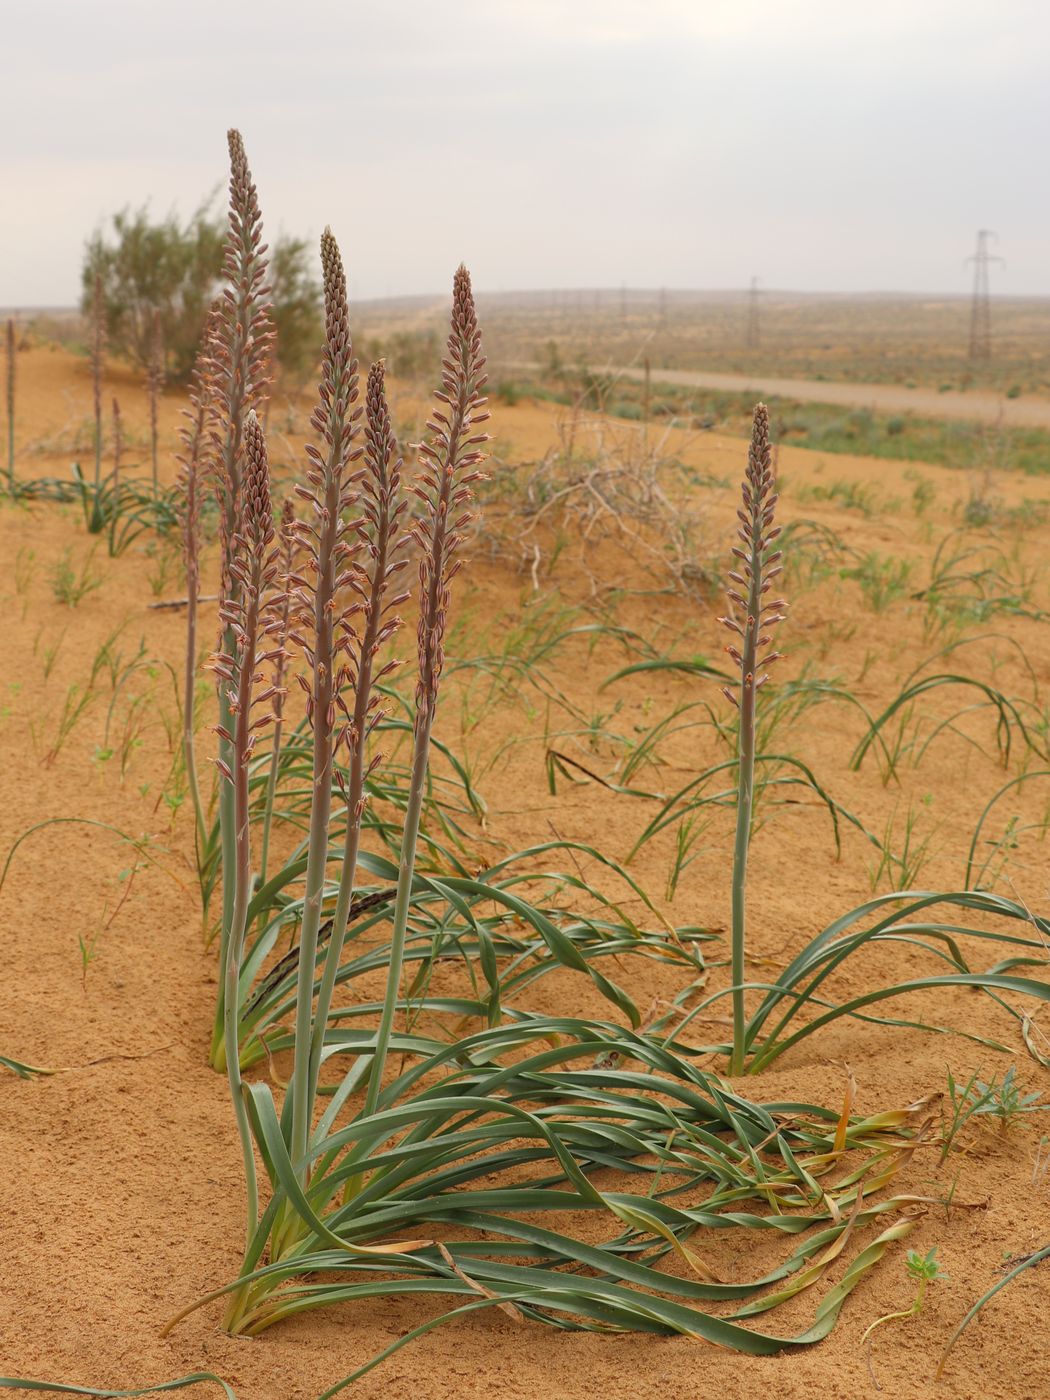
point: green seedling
(924, 1270)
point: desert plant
(753, 625)
(170, 269)
(53, 1388)
(120, 507)
(1008, 722)
(1004, 1100)
(383, 506)
(617, 490)
(901, 856)
(10, 398)
(924, 1270)
(985, 874)
(155, 384)
(71, 585)
(23, 569)
(903, 916)
(422, 1189)
(49, 653)
(462, 1156)
(98, 352)
(882, 579)
(286, 571)
(78, 699)
(193, 463)
(296, 299)
(242, 341)
(248, 618)
(324, 635)
(149, 267)
(508, 924)
(118, 442)
(1027, 1261)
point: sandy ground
(121, 1195)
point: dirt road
(980, 405)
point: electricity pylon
(752, 316)
(980, 309)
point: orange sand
(121, 1195)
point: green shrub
(295, 294)
(174, 268)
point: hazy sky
(821, 144)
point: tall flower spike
(328, 542)
(245, 334)
(760, 565)
(382, 506)
(289, 544)
(753, 627)
(155, 383)
(253, 616)
(11, 403)
(241, 355)
(196, 436)
(118, 441)
(250, 619)
(323, 632)
(98, 356)
(449, 461)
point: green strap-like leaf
(1027, 1263)
(55, 1388)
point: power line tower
(980, 307)
(752, 315)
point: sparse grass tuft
(71, 584)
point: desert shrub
(149, 265)
(163, 266)
(296, 296)
(407, 354)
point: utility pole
(752, 315)
(980, 308)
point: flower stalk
(98, 354)
(193, 465)
(10, 404)
(449, 461)
(321, 631)
(753, 621)
(242, 347)
(154, 385)
(288, 547)
(118, 443)
(250, 620)
(382, 505)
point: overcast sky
(820, 144)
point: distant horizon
(482, 292)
